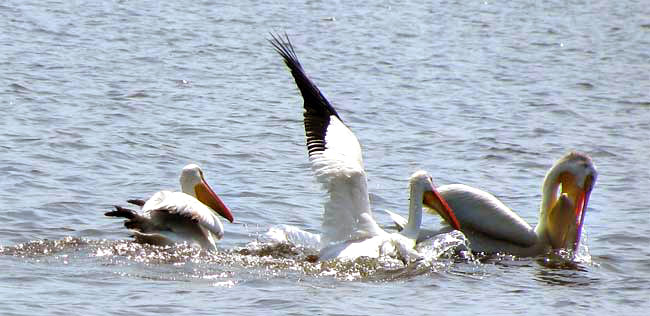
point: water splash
(443, 245)
(283, 252)
(43, 247)
(291, 234)
(583, 255)
(436, 254)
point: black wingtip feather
(133, 220)
(122, 212)
(137, 202)
(314, 99)
(317, 109)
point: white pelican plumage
(492, 227)
(169, 217)
(348, 229)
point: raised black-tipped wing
(317, 109)
(335, 155)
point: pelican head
(567, 188)
(422, 187)
(194, 184)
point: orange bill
(433, 200)
(581, 207)
(205, 194)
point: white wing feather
(347, 214)
(188, 209)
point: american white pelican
(169, 217)
(348, 229)
(492, 227)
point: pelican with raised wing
(492, 227)
(348, 229)
(188, 216)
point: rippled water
(107, 101)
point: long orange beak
(205, 194)
(581, 208)
(433, 200)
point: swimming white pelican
(169, 217)
(492, 227)
(349, 229)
